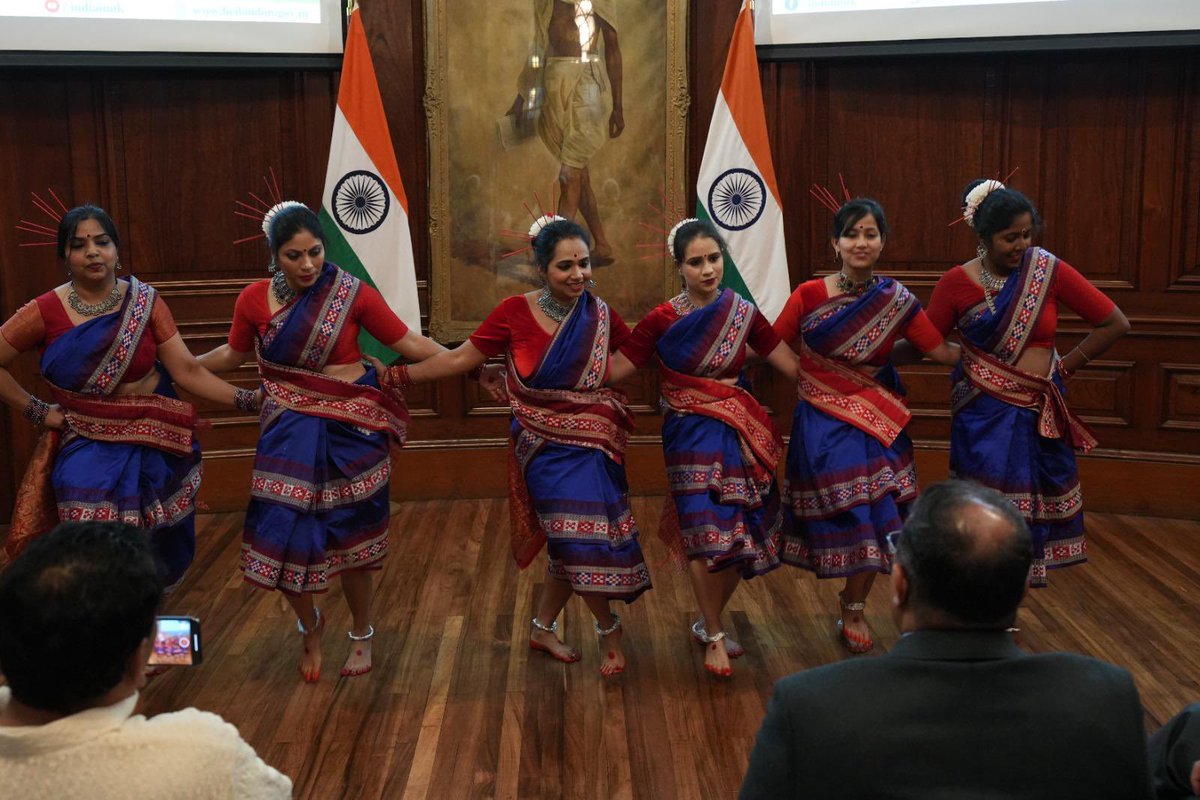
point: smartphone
(176, 641)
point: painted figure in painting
(572, 86)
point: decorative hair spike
(262, 210)
(539, 221)
(828, 198)
(46, 235)
(664, 237)
(675, 230)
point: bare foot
(310, 658)
(732, 648)
(612, 657)
(359, 660)
(547, 642)
(716, 660)
(856, 636)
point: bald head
(967, 553)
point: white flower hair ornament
(269, 217)
(675, 230)
(542, 222)
(975, 197)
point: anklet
(551, 628)
(703, 635)
(609, 630)
(370, 632)
(305, 631)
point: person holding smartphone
(77, 625)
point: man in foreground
(76, 629)
(955, 709)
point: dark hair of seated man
(965, 555)
(74, 609)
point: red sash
(852, 397)
(317, 395)
(760, 441)
(152, 420)
(1023, 389)
(599, 418)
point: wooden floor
(458, 706)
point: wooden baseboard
(1114, 482)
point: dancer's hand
(492, 379)
(379, 366)
(55, 419)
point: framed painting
(574, 107)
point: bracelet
(1086, 358)
(35, 411)
(397, 376)
(245, 399)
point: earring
(271, 266)
(591, 284)
(981, 251)
(117, 266)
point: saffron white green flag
(364, 209)
(736, 189)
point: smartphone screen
(176, 641)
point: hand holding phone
(176, 641)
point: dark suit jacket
(953, 715)
(1174, 748)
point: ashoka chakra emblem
(737, 199)
(360, 201)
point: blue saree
(721, 448)
(850, 473)
(568, 444)
(319, 491)
(1011, 430)
(131, 458)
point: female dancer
(568, 438)
(721, 448)
(850, 474)
(1012, 429)
(319, 494)
(125, 447)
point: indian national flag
(736, 189)
(364, 209)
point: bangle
(1086, 359)
(245, 399)
(36, 411)
(398, 377)
(1062, 370)
(476, 373)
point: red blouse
(511, 326)
(42, 320)
(810, 294)
(956, 292)
(251, 314)
(641, 344)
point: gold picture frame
(492, 170)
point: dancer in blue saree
(850, 471)
(1012, 429)
(720, 446)
(319, 491)
(121, 444)
(567, 487)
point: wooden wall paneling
(1181, 397)
(1184, 275)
